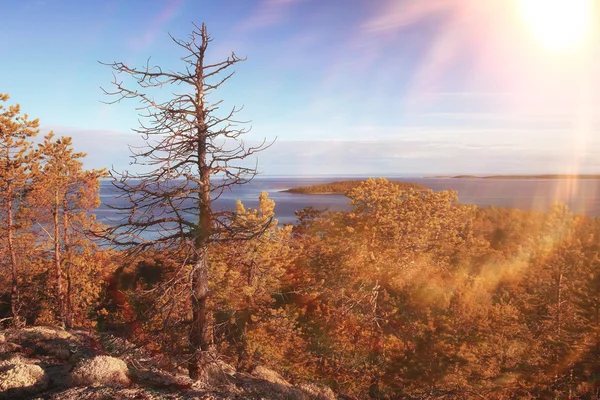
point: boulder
(20, 374)
(100, 370)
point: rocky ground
(51, 363)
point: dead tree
(191, 155)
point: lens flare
(558, 24)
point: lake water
(582, 196)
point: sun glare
(558, 24)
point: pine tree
(64, 193)
(245, 274)
(16, 132)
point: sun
(558, 24)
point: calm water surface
(582, 196)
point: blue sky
(354, 87)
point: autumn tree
(192, 155)
(16, 131)
(63, 194)
(246, 274)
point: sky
(344, 87)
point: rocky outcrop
(51, 363)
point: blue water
(582, 196)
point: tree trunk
(67, 262)
(57, 266)
(200, 337)
(597, 325)
(14, 293)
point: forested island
(344, 187)
(406, 295)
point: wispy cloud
(465, 94)
(156, 27)
(35, 4)
(394, 15)
(267, 14)
(405, 157)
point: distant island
(543, 176)
(343, 187)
